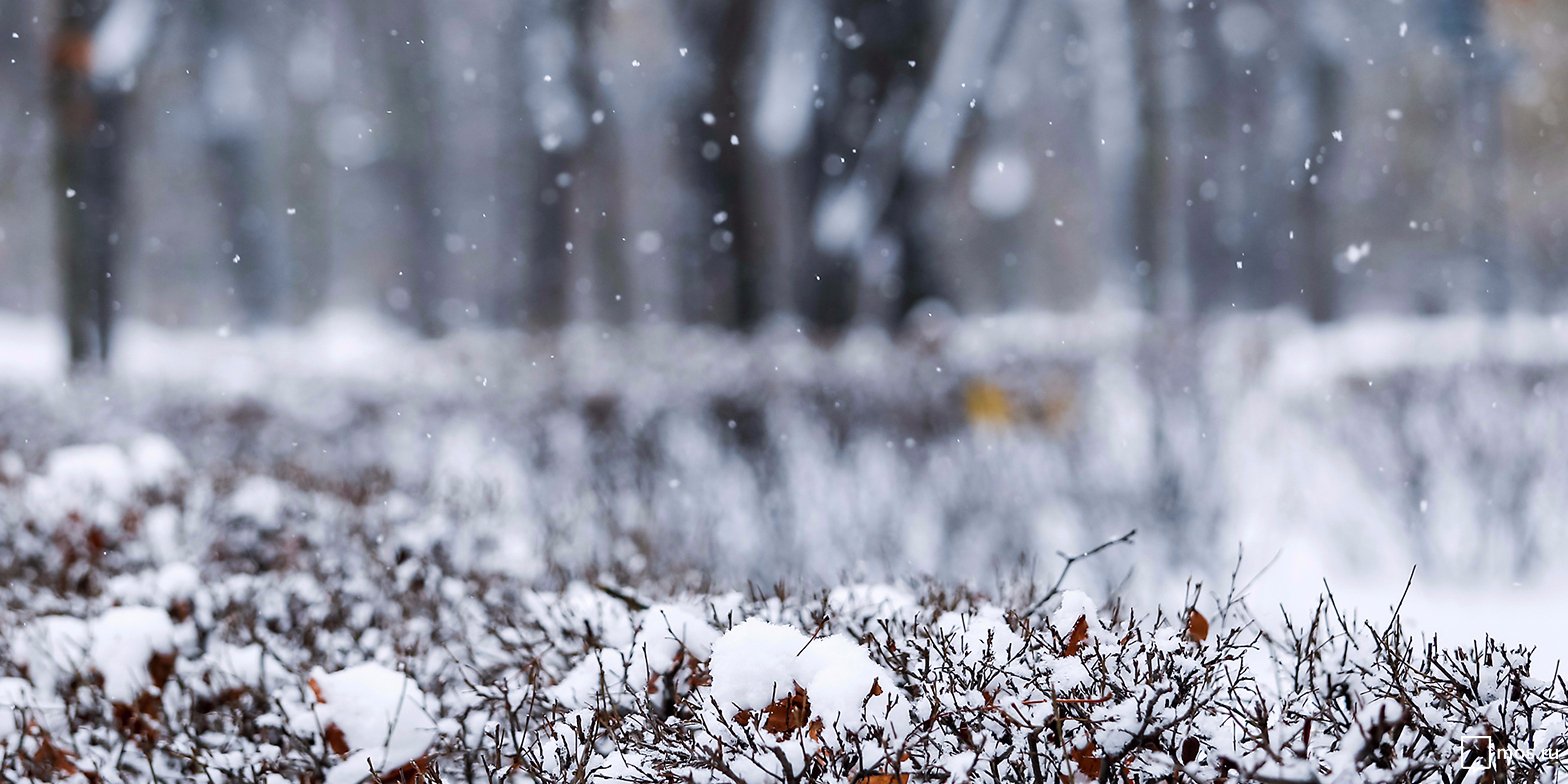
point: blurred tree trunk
(871, 98)
(232, 102)
(1316, 261)
(1253, 199)
(1210, 259)
(416, 161)
(513, 182)
(89, 93)
(1151, 175)
(549, 265)
(602, 167)
(559, 87)
(309, 179)
(966, 49)
(1485, 231)
(725, 282)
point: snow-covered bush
(529, 584)
(357, 656)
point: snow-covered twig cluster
(352, 649)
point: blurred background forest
(800, 289)
(234, 163)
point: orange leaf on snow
(883, 778)
(1197, 626)
(789, 713)
(1076, 638)
(1088, 760)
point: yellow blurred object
(987, 404)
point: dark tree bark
(513, 183)
(724, 283)
(1320, 282)
(310, 258)
(1210, 259)
(1151, 177)
(416, 163)
(89, 172)
(549, 266)
(601, 169)
(556, 42)
(1253, 202)
(231, 85)
(1485, 232)
(871, 100)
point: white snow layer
(121, 40)
(382, 715)
(758, 663)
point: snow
(259, 499)
(1002, 183)
(52, 648)
(156, 462)
(967, 60)
(383, 717)
(547, 56)
(118, 645)
(121, 40)
(844, 218)
(124, 642)
(16, 696)
(90, 472)
(658, 645)
(758, 663)
(789, 72)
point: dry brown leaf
(1197, 626)
(788, 713)
(161, 668)
(883, 778)
(53, 760)
(1088, 760)
(1076, 638)
(336, 740)
(409, 773)
(1189, 750)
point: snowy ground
(669, 461)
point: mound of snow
(259, 499)
(757, 663)
(51, 648)
(92, 471)
(381, 715)
(666, 635)
(125, 640)
(119, 645)
(156, 463)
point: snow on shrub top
(124, 641)
(758, 663)
(381, 715)
(51, 648)
(91, 470)
(156, 462)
